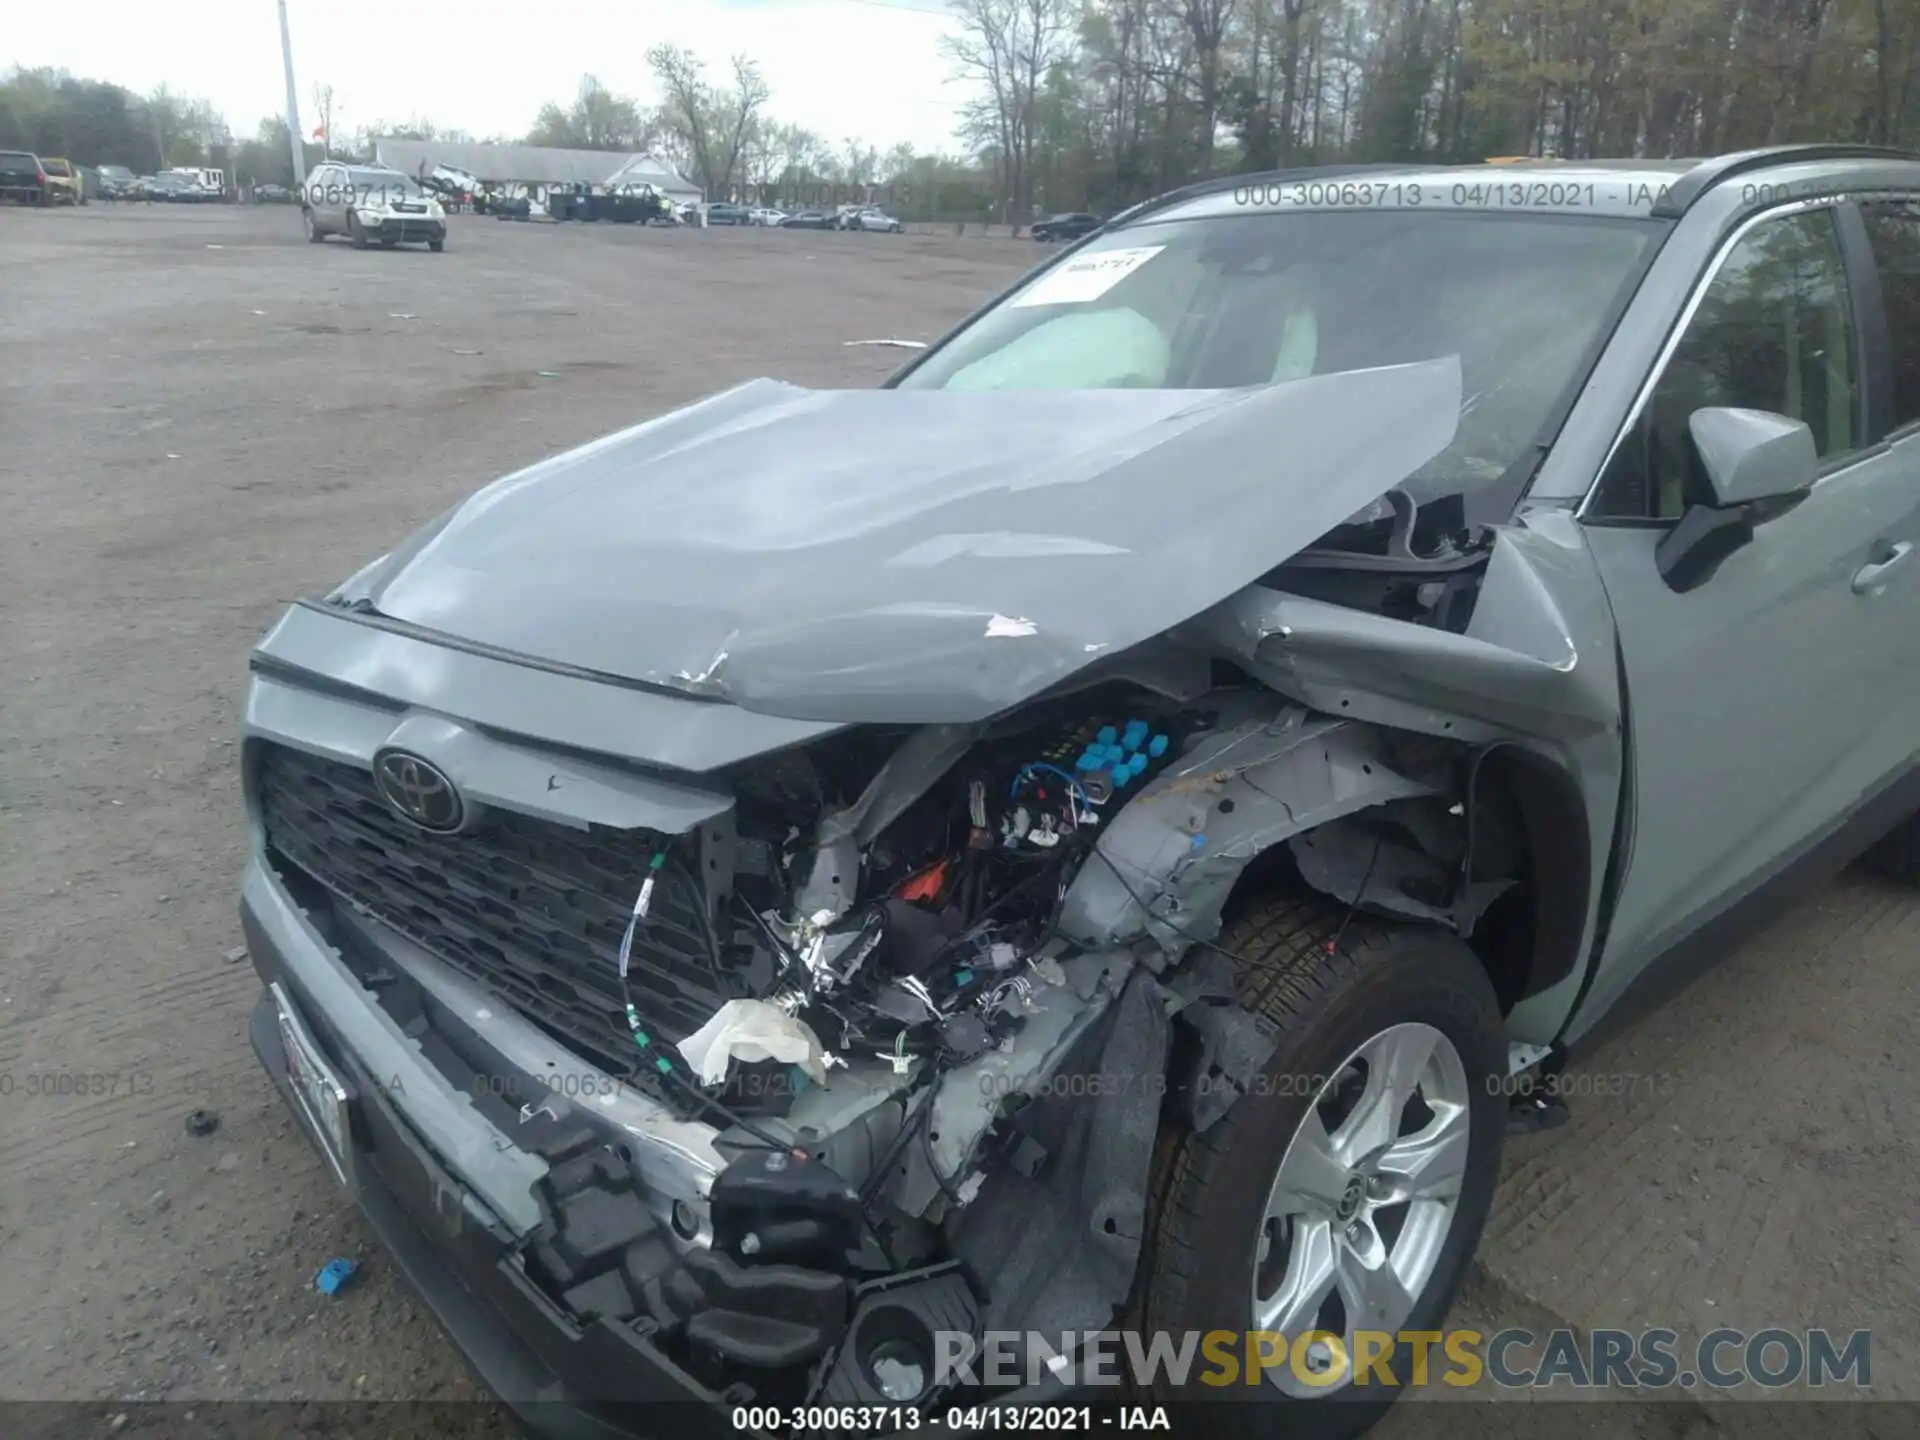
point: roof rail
(1259, 177)
(1688, 189)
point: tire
(314, 233)
(436, 246)
(1388, 989)
(356, 232)
(1896, 855)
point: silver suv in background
(1099, 824)
(370, 205)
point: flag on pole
(319, 132)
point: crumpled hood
(906, 556)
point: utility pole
(293, 104)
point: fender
(1173, 855)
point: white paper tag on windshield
(1087, 277)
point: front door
(1766, 703)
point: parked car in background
(63, 181)
(766, 215)
(807, 220)
(725, 212)
(181, 187)
(271, 194)
(369, 204)
(874, 218)
(116, 181)
(22, 179)
(1070, 226)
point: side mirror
(1750, 457)
(1753, 454)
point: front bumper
(450, 1195)
(560, 1379)
(406, 228)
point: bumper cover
(447, 1193)
(560, 1379)
(406, 227)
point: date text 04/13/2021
(957, 1419)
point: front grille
(530, 910)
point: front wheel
(314, 233)
(356, 232)
(436, 246)
(1339, 1202)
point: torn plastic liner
(751, 1030)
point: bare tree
(1008, 47)
(750, 92)
(714, 124)
(598, 119)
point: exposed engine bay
(882, 927)
(937, 970)
(926, 951)
(884, 909)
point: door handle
(1869, 578)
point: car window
(1227, 301)
(1774, 331)
(1893, 229)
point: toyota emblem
(418, 790)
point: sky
(848, 69)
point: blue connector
(1157, 746)
(334, 1275)
(1107, 735)
(1135, 736)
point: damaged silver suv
(1089, 834)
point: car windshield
(1241, 300)
(57, 167)
(385, 184)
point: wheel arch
(1354, 810)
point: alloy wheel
(1363, 1201)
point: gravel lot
(202, 417)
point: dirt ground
(202, 417)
